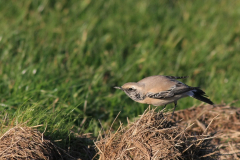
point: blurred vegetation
(60, 59)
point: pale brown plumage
(161, 90)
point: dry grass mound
(226, 123)
(26, 143)
(154, 136)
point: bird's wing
(159, 87)
(176, 89)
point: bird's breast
(156, 102)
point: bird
(161, 90)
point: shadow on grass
(80, 147)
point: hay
(154, 136)
(26, 143)
(226, 123)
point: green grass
(59, 60)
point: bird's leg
(175, 105)
(149, 107)
(164, 107)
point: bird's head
(133, 90)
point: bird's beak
(118, 88)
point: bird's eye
(130, 89)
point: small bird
(162, 90)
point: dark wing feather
(173, 77)
(159, 95)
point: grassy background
(60, 59)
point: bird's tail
(201, 95)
